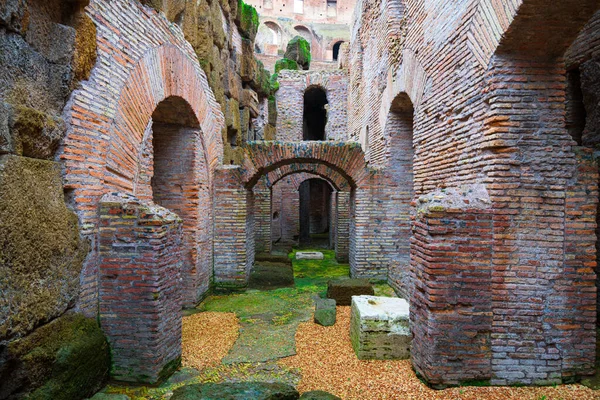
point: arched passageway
(336, 50)
(315, 212)
(315, 114)
(179, 183)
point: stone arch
(337, 181)
(347, 159)
(304, 31)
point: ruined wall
(46, 49)
(290, 103)
(323, 23)
(482, 96)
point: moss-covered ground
(269, 320)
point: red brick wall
(139, 254)
(109, 116)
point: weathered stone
(309, 255)
(233, 83)
(318, 395)
(232, 116)
(237, 391)
(250, 100)
(35, 134)
(247, 20)
(270, 132)
(14, 14)
(65, 359)
(41, 252)
(272, 110)
(6, 141)
(109, 396)
(342, 290)
(379, 328)
(298, 50)
(248, 63)
(325, 312)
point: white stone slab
(381, 308)
(309, 255)
(379, 328)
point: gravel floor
(327, 362)
(207, 337)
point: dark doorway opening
(315, 114)
(315, 213)
(336, 50)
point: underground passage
(351, 199)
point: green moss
(272, 116)
(274, 83)
(65, 359)
(298, 49)
(247, 19)
(285, 63)
(37, 133)
(41, 252)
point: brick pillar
(234, 229)
(575, 294)
(342, 232)
(140, 246)
(262, 217)
(451, 307)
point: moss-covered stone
(270, 132)
(65, 359)
(298, 49)
(274, 83)
(247, 20)
(272, 119)
(41, 252)
(84, 57)
(155, 4)
(285, 63)
(35, 134)
(234, 391)
(248, 63)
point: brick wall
(109, 116)
(488, 110)
(140, 256)
(290, 103)
(233, 229)
(262, 217)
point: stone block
(42, 252)
(250, 100)
(325, 312)
(309, 255)
(237, 391)
(248, 68)
(379, 328)
(342, 290)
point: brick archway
(110, 119)
(346, 159)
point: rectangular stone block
(342, 290)
(309, 255)
(379, 328)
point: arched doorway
(336, 50)
(315, 212)
(315, 114)
(179, 183)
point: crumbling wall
(46, 49)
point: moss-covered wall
(222, 33)
(65, 359)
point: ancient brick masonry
(290, 97)
(140, 296)
(489, 108)
(144, 66)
